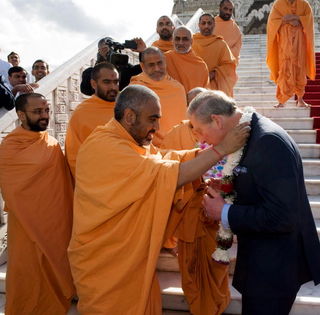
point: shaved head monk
(183, 64)
(122, 204)
(217, 55)
(94, 111)
(165, 28)
(37, 189)
(290, 49)
(226, 27)
(171, 93)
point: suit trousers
(267, 305)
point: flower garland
(225, 236)
(221, 178)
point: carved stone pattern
(60, 109)
(61, 139)
(249, 22)
(61, 96)
(61, 128)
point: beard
(165, 35)
(135, 132)
(225, 17)
(39, 125)
(109, 96)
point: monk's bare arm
(193, 169)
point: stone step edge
(235, 295)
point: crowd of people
(147, 156)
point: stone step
(315, 207)
(311, 167)
(309, 150)
(269, 103)
(239, 90)
(285, 112)
(255, 97)
(254, 84)
(303, 136)
(312, 185)
(306, 303)
(295, 123)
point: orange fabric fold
(217, 55)
(172, 98)
(163, 45)
(180, 137)
(121, 208)
(231, 34)
(87, 116)
(190, 70)
(37, 190)
(204, 282)
(290, 49)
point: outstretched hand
(235, 139)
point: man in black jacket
(6, 97)
(278, 246)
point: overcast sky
(55, 30)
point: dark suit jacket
(278, 246)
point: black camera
(115, 56)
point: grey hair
(210, 103)
(194, 92)
(133, 97)
(183, 28)
(150, 51)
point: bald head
(165, 27)
(182, 39)
(194, 92)
(153, 63)
(138, 110)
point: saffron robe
(172, 98)
(163, 45)
(190, 70)
(37, 189)
(231, 34)
(217, 55)
(204, 281)
(290, 49)
(87, 116)
(121, 208)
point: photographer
(108, 51)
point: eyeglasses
(39, 111)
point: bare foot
(278, 105)
(302, 103)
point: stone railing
(62, 90)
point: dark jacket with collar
(278, 246)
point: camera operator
(107, 49)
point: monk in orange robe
(183, 64)
(122, 204)
(227, 27)
(217, 55)
(37, 189)
(204, 282)
(95, 111)
(290, 48)
(165, 28)
(171, 93)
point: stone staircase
(254, 88)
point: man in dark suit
(278, 246)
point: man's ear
(93, 84)
(129, 116)
(21, 115)
(217, 120)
